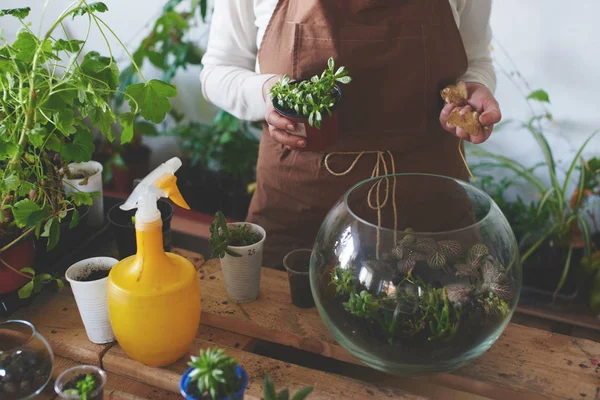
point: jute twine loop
(380, 166)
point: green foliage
(215, 374)
(37, 282)
(492, 304)
(344, 281)
(271, 394)
(46, 97)
(222, 236)
(539, 95)
(311, 98)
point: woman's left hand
(482, 100)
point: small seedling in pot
(84, 386)
(311, 98)
(222, 236)
(271, 394)
(214, 375)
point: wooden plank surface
(524, 362)
(56, 317)
(326, 386)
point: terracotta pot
(19, 256)
(316, 139)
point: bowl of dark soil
(123, 223)
(26, 361)
(84, 382)
(88, 280)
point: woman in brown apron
(400, 53)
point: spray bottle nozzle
(159, 183)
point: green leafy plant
(48, 98)
(36, 281)
(214, 374)
(271, 394)
(83, 388)
(222, 236)
(311, 98)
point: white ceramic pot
(93, 184)
(91, 298)
(242, 274)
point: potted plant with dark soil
(214, 376)
(312, 103)
(42, 124)
(84, 382)
(87, 177)
(240, 247)
(123, 224)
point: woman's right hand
(278, 125)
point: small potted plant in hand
(240, 247)
(311, 104)
(85, 382)
(271, 394)
(213, 376)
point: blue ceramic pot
(240, 371)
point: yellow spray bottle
(154, 296)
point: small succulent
(311, 98)
(271, 394)
(361, 305)
(221, 236)
(215, 374)
(493, 304)
(83, 388)
(344, 281)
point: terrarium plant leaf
(502, 289)
(437, 260)
(452, 249)
(459, 293)
(477, 253)
(456, 94)
(409, 237)
(426, 246)
(398, 252)
(405, 267)
(468, 271)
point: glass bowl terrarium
(415, 274)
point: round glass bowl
(416, 274)
(66, 385)
(26, 361)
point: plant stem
(14, 269)
(8, 246)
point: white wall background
(554, 46)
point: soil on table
(72, 384)
(21, 375)
(94, 274)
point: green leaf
(25, 291)
(37, 285)
(126, 120)
(74, 219)
(7, 150)
(80, 150)
(27, 213)
(20, 13)
(25, 188)
(103, 70)
(26, 46)
(37, 136)
(345, 80)
(60, 284)
(72, 46)
(331, 64)
(284, 395)
(81, 198)
(269, 389)
(539, 95)
(53, 143)
(45, 277)
(104, 120)
(28, 270)
(302, 393)
(64, 120)
(54, 234)
(90, 8)
(152, 98)
(10, 182)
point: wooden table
(292, 345)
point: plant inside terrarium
(311, 98)
(84, 386)
(416, 304)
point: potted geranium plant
(312, 103)
(213, 375)
(240, 247)
(48, 96)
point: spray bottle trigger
(169, 184)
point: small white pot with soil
(88, 280)
(87, 177)
(239, 246)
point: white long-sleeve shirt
(231, 77)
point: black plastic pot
(70, 238)
(124, 229)
(297, 264)
(202, 189)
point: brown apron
(400, 54)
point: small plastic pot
(90, 294)
(68, 379)
(124, 229)
(93, 172)
(297, 264)
(242, 274)
(184, 383)
(316, 139)
(19, 256)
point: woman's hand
(482, 100)
(278, 125)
